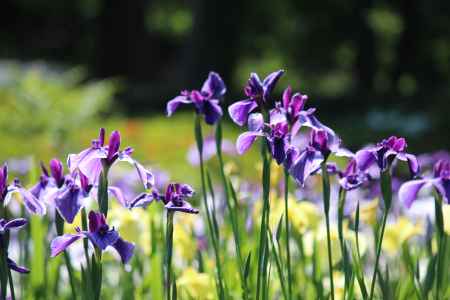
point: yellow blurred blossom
(196, 285)
(446, 215)
(399, 232)
(368, 212)
(303, 215)
(185, 244)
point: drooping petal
(269, 83)
(214, 86)
(68, 203)
(413, 164)
(15, 223)
(145, 176)
(307, 164)
(142, 200)
(246, 140)
(240, 110)
(186, 207)
(173, 104)
(213, 111)
(125, 249)
(60, 243)
(103, 239)
(118, 194)
(32, 204)
(442, 185)
(409, 190)
(15, 267)
(364, 159)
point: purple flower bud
(3, 182)
(114, 145)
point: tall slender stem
(11, 285)
(169, 251)
(441, 238)
(386, 190)
(286, 219)
(326, 205)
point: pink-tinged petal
(246, 140)
(173, 104)
(60, 243)
(364, 159)
(240, 110)
(277, 117)
(88, 162)
(409, 190)
(125, 249)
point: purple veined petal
(214, 86)
(173, 104)
(15, 223)
(307, 164)
(270, 81)
(142, 200)
(15, 267)
(255, 122)
(246, 140)
(118, 194)
(364, 159)
(186, 207)
(145, 176)
(442, 185)
(68, 203)
(32, 204)
(240, 110)
(409, 190)
(125, 249)
(60, 243)
(103, 239)
(212, 110)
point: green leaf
(247, 265)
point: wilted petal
(240, 110)
(307, 164)
(409, 190)
(270, 81)
(246, 140)
(13, 266)
(60, 243)
(125, 249)
(212, 111)
(173, 104)
(214, 86)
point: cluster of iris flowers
(278, 125)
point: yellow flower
(368, 212)
(185, 244)
(399, 232)
(196, 285)
(303, 215)
(446, 215)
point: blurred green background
(372, 68)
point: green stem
(441, 238)
(102, 192)
(326, 202)
(286, 219)
(169, 251)
(386, 190)
(11, 285)
(84, 227)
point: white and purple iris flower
(93, 160)
(352, 177)
(258, 93)
(440, 181)
(206, 101)
(5, 226)
(32, 204)
(99, 234)
(384, 153)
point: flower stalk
(169, 252)
(326, 205)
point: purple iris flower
(5, 226)
(257, 92)
(91, 161)
(67, 192)
(175, 198)
(440, 181)
(307, 162)
(384, 153)
(99, 234)
(32, 204)
(352, 177)
(276, 134)
(206, 101)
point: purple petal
(364, 159)
(291, 155)
(307, 164)
(118, 194)
(96, 220)
(409, 190)
(186, 207)
(15, 223)
(32, 204)
(213, 111)
(125, 249)
(88, 162)
(240, 110)
(103, 239)
(60, 243)
(173, 104)
(255, 122)
(114, 146)
(145, 176)
(270, 81)
(413, 164)
(278, 146)
(142, 200)
(56, 169)
(246, 140)
(68, 203)
(13, 266)
(442, 185)
(214, 86)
